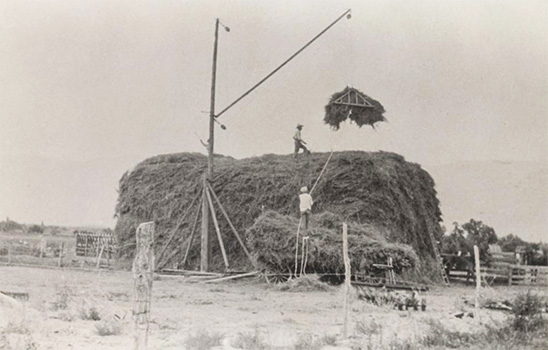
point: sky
(97, 86)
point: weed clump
(309, 283)
(527, 310)
(250, 341)
(203, 340)
(107, 328)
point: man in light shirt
(305, 205)
(299, 142)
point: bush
(90, 313)
(250, 341)
(106, 328)
(203, 340)
(308, 342)
(527, 310)
(36, 229)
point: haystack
(272, 239)
(380, 189)
(354, 105)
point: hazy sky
(83, 81)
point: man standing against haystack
(305, 205)
(299, 142)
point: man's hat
(299, 126)
(304, 189)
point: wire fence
(82, 249)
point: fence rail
(95, 244)
(528, 275)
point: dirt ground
(180, 309)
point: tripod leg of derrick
(216, 224)
(166, 244)
(223, 211)
(192, 231)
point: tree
(36, 229)
(481, 235)
(463, 238)
(510, 242)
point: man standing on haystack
(305, 205)
(299, 142)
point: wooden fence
(34, 250)
(528, 275)
(95, 244)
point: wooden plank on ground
(233, 277)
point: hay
(335, 113)
(309, 283)
(272, 239)
(380, 189)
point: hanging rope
(321, 173)
(304, 255)
(297, 246)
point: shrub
(106, 328)
(250, 341)
(203, 340)
(90, 313)
(527, 310)
(308, 342)
(439, 336)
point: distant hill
(512, 197)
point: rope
(304, 255)
(297, 246)
(321, 173)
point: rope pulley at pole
(221, 124)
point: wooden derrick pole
(143, 270)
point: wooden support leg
(216, 224)
(223, 211)
(193, 230)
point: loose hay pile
(380, 189)
(272, 239)
(336, 113)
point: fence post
(9, 254)
(143, 270)
(478, 280)
(41, 246)
(60, 254)
(347, 277)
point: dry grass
(203, 340)
(17, 336)
(108, 328)
(307, 341)
(309, 283)
(250, 341)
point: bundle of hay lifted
(354, 105)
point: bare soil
(59, 298)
